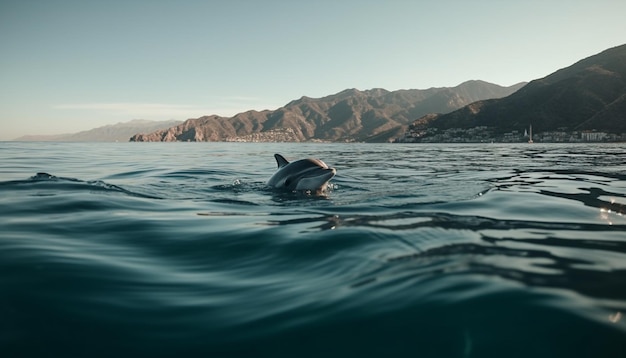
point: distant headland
(119, 132)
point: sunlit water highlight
(179, 249)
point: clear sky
(72, 65)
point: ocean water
(179, 250)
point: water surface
(179, 249)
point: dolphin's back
(303, 174)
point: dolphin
(304, 174)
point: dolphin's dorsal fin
(280, 160)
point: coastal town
(278, 135)
(483, 134)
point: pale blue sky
(67, 66)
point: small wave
(409, 220)
(234, 202)
(63, 184)
(239, 186)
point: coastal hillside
(110, 133)
(375, 115)
(589, 95)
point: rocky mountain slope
(590, 94)
(375, 115)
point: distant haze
(69, 66)
(119, 132)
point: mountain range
(588, 95)
(375, 115)
(119, 132)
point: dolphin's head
(303, 174)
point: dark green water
(179, 250)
